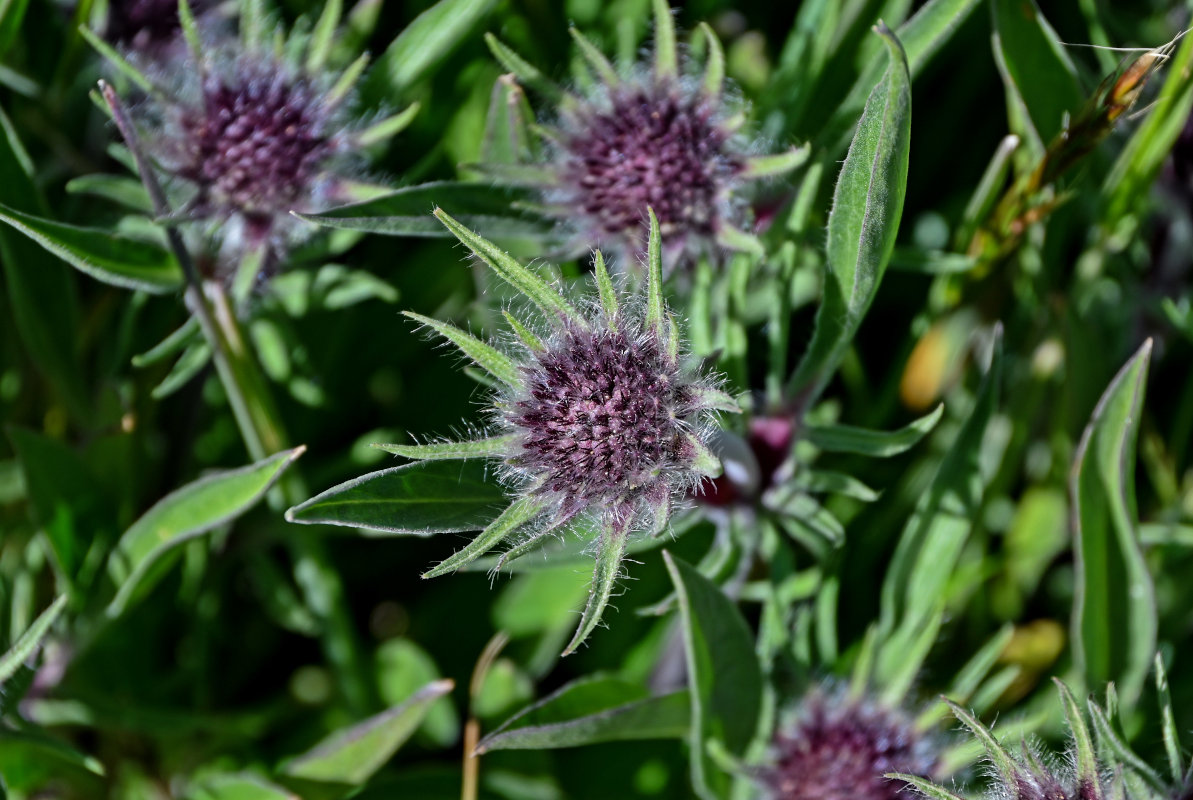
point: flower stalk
(259, 423)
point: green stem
(261, 429)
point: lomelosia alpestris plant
(600, 419)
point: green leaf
(182, 515)
(926, 787)
(724, 677)
(611, 548)
(237, 786)
(867, 206)
(1111, 742)
(666, 57)
(507, 139)
(480, 448)
(1038, 69)
(387, 128)
(189, 364)
(916, 583)
(520, 512)
(41, 292)
(323, 36)
(595, 58)
(1172, 741)
(12, 661)
(402, 669)
(1084, 757)
(424, 44)
(122, 189)
(12, 14)
(422, 498)
(525, 72)
(496, 363)
(537, 290)
(350, 757)
(102, 254)
(181, 338)
(68, 503)
(591, 710)
(922, 35)
(714, 68)
(1114, 622)
(407, 212)
(876, 444)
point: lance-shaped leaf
(666, 58)
(595, 58)
(1172, 742)
(520, 512)
(491, 359)
(928, 29)
(714, 67)
(537, 290)
(1037, 69)
(1114, 622)
(591, 710)
(41, 291)
(917, 581)
(876, 444)
(777, 164)
(492, 447)
(1002, 761)
(138, 559)
(12, 661)
(425, 42)
(610, 550)
(421, 499)
(350, 757)
(525, 72)
(867, 206)
(483, 206)
(927, 788)
(1084, 757)
(724, 678)
(105, 256)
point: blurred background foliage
(220, 667)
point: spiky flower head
(1028, 775)
(597, 419)
(841, 747)
(649, 136)
(246, 131)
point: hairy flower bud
(841, 748)
(246, 131)
(598, 418)
(647, 135)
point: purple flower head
(261, 141)
(662, 144)
(603, 419)
(599, 422)
(842, 748)
(245, 131)
(657, 136)
(1028, 775)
